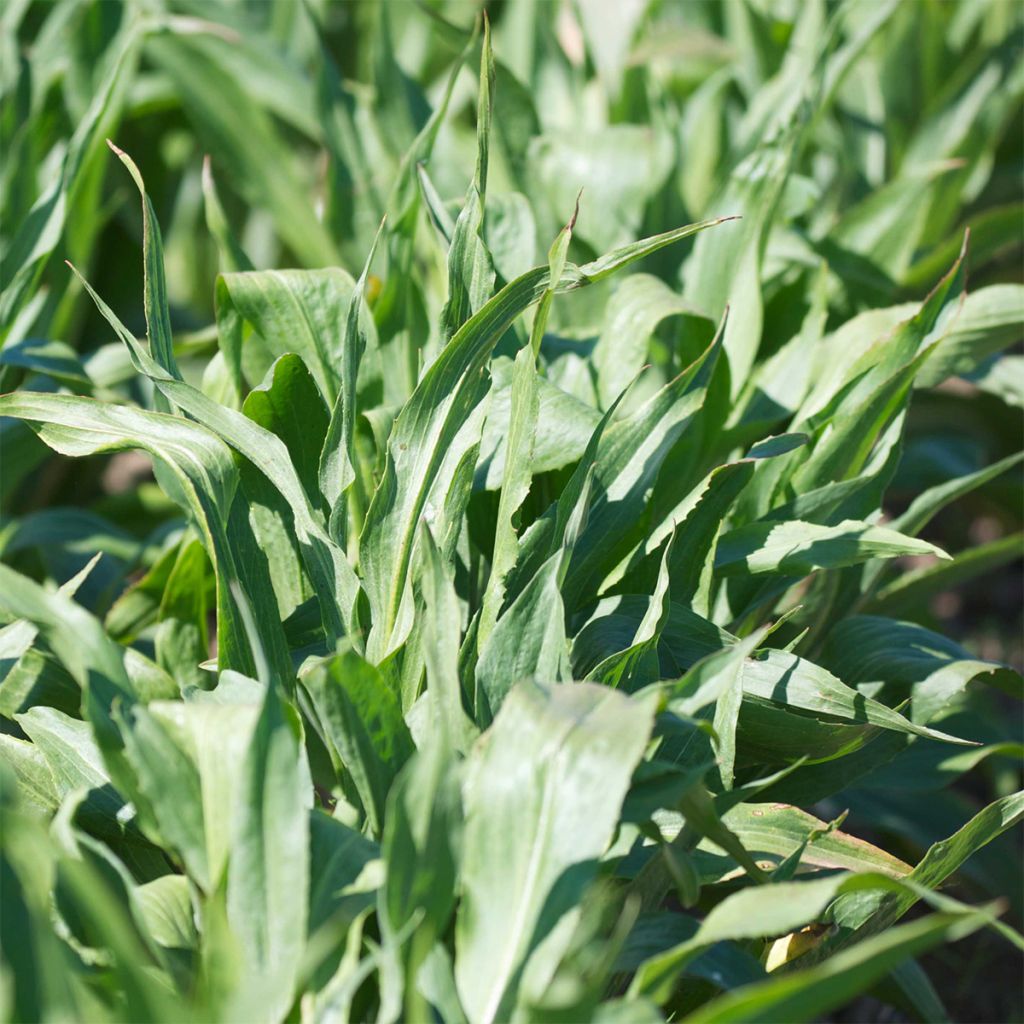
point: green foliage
(515, 607)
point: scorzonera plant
(519, 607)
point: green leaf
(698, 522)
(750, 913)
(797, 549)
(563, 428)
(470, 268)
(35, 783)
(362, 720)
(40, 976)
(296, 311)
(139, 605)
(988, 323)
(639, 304)
(910, 981)
(686, 637)
(181, 640)
(232, 255)
(637, 665)
(342, 866)
(805, 995)
(774, 832)
(725, 964)
(908, 660)
(724, 270)
(56, 359)
(515, 486)
(166, 908)
(627, 461)
(441, 650)
(542, 801)
(158, 319)
(421, 854)
(40, 231)
(206, 476)
(860, 916)
(528, 640)
(327, 565)
(75, 762)
(93, 659)
(794, 682)
(268, 865)
(171, 785)
(289, 405)
(38, 679)
(337, 461)
(88, 895)
(214, 732)
(1004, 378)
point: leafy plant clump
(501, 637)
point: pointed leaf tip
(576, 210)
